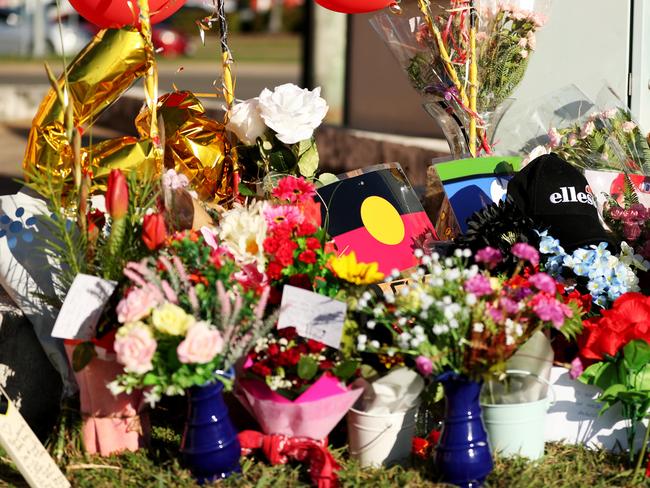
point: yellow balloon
(382, 220)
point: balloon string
(151, 82)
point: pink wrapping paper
(110, 424)
(313, 414)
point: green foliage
(307, 368)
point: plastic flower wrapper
(594, 269)
(276, 131)
(598, 135)
(191, 311)
(436, 53)
(464, 319)
(297, 387)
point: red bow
(279, 448)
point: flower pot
(517, 429)
(463, 455)
(111, 424)
(210, 447)
(380, 439)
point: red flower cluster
(291, 241)
(627, 320)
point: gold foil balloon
(98, 76)
(195, 145)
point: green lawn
(563, 466)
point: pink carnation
(135, 348)
(526, 252)
(543, 282)
(479, 285)
(550, 310)
(138, 303)
(489, 256)
(201, 344)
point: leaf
(307, 368)
(244, 190)
(82, 355)
(327, 178)
(304, 146)
(601, 374)
(636, 355)
(149, 379)
(308, 161)
(612, 393)
(282, 160)
(346, 369)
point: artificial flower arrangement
(614, 355)
(453, 317)
(437, 54)
(594, 269)
(276, 131)
(607, 139)
(191, 311)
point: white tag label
(24, 448)
(574, 418)
(82, 307)
(314, 316)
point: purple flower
(526, 252)
(490, 256)
(424, 365)
(495, 313)
(576, 368)
(543, 282)
(479, 285)
(550, 310)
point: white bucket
(380, 439)
(517, 429)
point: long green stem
(641, 457)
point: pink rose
(628, 127)
(587, 129)
(554, 137)
(138, 303)
(135, 347)
(201, 344)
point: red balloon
(113, 14)
(355, 6)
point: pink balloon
(354, 6)
(113, 14)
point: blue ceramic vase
(210, 447)
(463, 455)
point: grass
(158, 466)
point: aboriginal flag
(376, 213)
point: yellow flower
(171, 319)
(347, 268)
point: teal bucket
(517, 429)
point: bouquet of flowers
(468, 60)
(458, 318)
(191, 312)
(297, 387)
(607, 139)
(595, 269)
(617, 347)
(629, 221)
(276, 131)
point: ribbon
(279, 448)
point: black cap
(556, 195)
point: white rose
(245, 121)
(292, 112)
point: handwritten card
(575, 419)
(314, 316)
(83, 307)
(25, 450)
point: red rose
(307, 257)
(326, 364)
(273, 350)
(290, 357)
(154, 231)
(312, 243)
(315, 346)
(261, 369)
(300, 281)
(288, 333)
